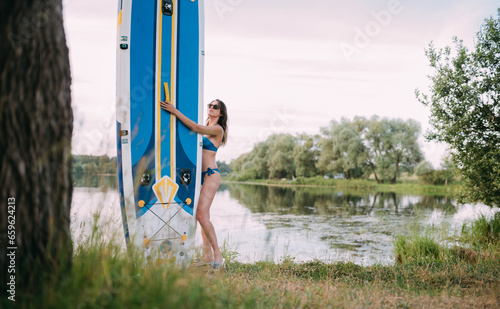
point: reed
(482, 232)
(419, 248)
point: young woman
(215, 135)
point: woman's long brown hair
(222, 120)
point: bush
(424, 168)
(418, 248)
(482, 232)
(438, 177)
(428, 175)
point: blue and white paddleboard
(159, 57)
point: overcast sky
(283, 66)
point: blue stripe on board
(187, 96)
(142, 76)
(119, 163)
(142, 96)
(188, 62)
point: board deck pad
(159, 57)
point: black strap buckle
(185, 176)
(167, 7)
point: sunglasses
(213, 106)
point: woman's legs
(207, 247)
(207, 195)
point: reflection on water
(328, 201)
(328, 224)
(262, 222)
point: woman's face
(214, 109)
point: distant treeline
(94, 171)
(351, 149)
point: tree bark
(36, 124)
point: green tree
(424, 168)
(425, 172)
(304, 156)
(465, 110)
(254, 165)
(342, 148)
(326, 159)
(272, 158)
(448, 169)
(281, 161)
(350, 154)
(357, 148)
(393, 147)
(237, 164)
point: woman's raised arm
(193, 126)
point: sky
(283, 66)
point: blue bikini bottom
(209, 171)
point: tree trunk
(393, 180)
(375, 174)
(36, 124)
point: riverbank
(103, 278)
(404, 185)
(427, 275)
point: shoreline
(407, 186)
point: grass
(102, 279)
(482, 232)
(106, 279)
(478, 240)
(428, 275)
(419, 248)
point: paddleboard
(159, 57)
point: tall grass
(479, 240)
(419, 248)
(482, 232)
(103, 275)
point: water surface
(270, 223)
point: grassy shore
(105, 279)
(406, 185)
(428, 275)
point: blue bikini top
(208, 145)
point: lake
(303, 223)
